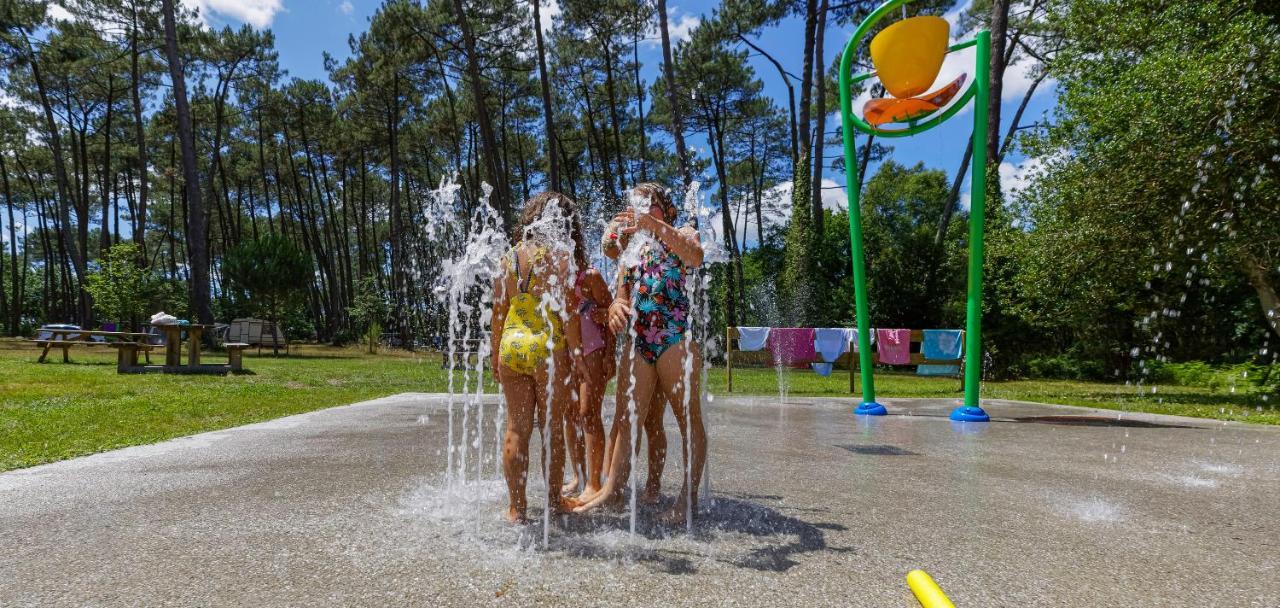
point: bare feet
(652, 495)
(570, 487)
(565, 505)
(515, 517)
(604, 499)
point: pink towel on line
(894, 346)
(792, 345)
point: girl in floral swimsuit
(656, 323)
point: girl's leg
(656, 437)
(620, 467)
(521, 401)
(561, 394)
(573, 445)
(671, 377)
(590, 399)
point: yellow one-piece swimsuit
(531, 331)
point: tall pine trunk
(548, 117)
(197, 222)
(673, 97)
(488, 139)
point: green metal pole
(868, 405)
(971, 411)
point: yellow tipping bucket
(908, 54)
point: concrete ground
(1044, 506)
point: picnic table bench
(65, 339)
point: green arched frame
(978, 93)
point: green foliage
(911, 283)
(119, 287)
(271, 272)
(1151, 222)
(368, 311)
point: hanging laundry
(942, 344)
(853, 338)
(791, 345)
(752, 338)
(830, 342)
(894, 346)
(822, 369)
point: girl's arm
(683, 242)
(572, 320)
(500, 305)
(620, 308)
(615, 239)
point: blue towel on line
(823, 369)
(752, 338)
(830, 342)
(941, 344)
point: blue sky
(305, 30)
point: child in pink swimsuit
(584, 429)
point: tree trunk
(487, 138)
(613, 118)
(999, 31)
(105, 233)
(197, 223)
(1256, 272)
(140, 134)
(673, 98)
(644, 146)
(820, 95)
(15, 309)
(60, 173)
(553, 162)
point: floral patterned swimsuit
(662, 309)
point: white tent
(256, 332)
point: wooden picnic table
(173, 343)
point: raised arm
(684, 242)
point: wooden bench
(235, 355)
(67, 338)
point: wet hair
(659, 195)
(537, 205)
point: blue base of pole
(870, 408)
(969, 413)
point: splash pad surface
(1045, 506)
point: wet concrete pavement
(1044, 506)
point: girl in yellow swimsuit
(536, 344)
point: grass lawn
(54, 410)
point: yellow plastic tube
(927, 592)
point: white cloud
(346, 7)
(548, 10)
(258, 13)
(1016, 177)
(681, 26)
(57, 13)
(775, 205)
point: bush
(1248, 377)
